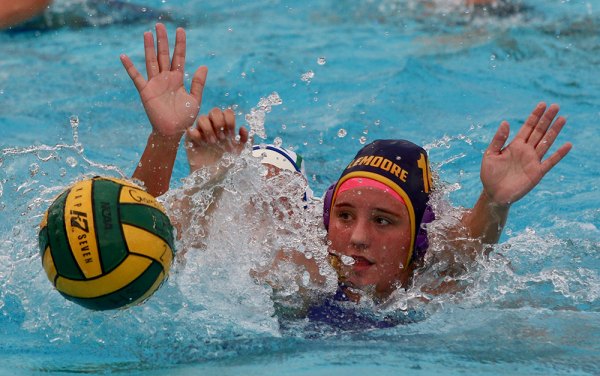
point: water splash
(257, 115)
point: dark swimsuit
(338, 312)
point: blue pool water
(342, 73)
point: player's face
(369, 232)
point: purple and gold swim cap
(402, 166)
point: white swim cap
(279, 157)
(282, 158)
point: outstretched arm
(509, 172)
(170, 108)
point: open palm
(509, 173)
(170, 108)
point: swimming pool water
(346, 73)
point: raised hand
(213, 136)
(170, 108)
(510, 172)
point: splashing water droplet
(347, 260)
(256, 117)
(72, 162)
(342, 133)
(188, 104)
(308, 76)
(321, 61)
(305, 278)
(277, 141)
(34, 168)
(74, 121)
(362, 140)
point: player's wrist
(163, 141)
(493, 202)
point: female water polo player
(377, 206)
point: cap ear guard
(327, 204)
(421, 241)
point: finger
(178, 62)
(550, 136)
(229, 123)
(150, 53)
(206, 129)
(134, 74)
(556, 157)
(243, 135)
(499, 139)
(238, 145)
(531, 122)
(194, 136)
(542, 126)
(162, 44)
(198, 82)
(218, 122)
(235, 145)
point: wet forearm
(485, 222)
(156, 164)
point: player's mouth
(361, 263)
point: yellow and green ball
(106, 243)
